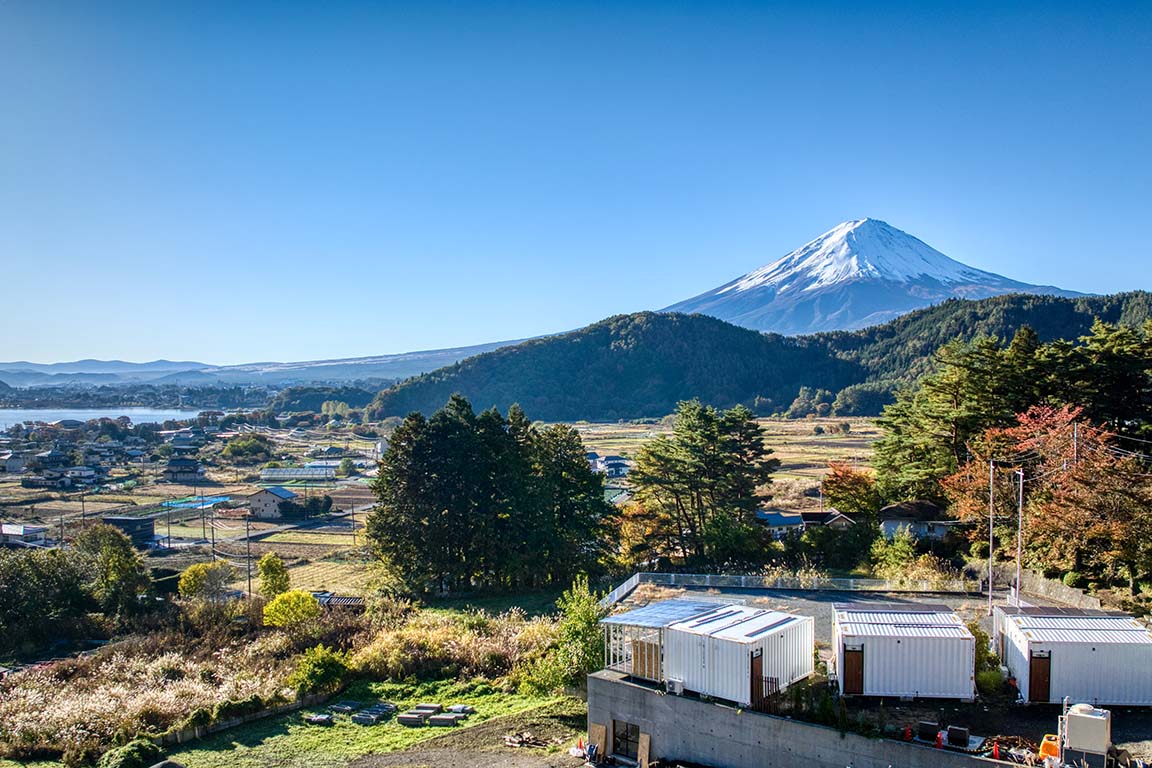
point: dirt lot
(483, 745)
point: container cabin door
(1040, 677)
(757, 682)
(854, 671)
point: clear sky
(239, 181)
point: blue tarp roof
(662, 614)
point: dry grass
(140, 686)
(437, 644)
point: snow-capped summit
(857, 274)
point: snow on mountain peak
(861, 249)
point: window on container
(625, 739)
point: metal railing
(816, 583)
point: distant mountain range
(858, 274)
(159, 372)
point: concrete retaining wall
(691, 730)
(183, 735)
(1035, 584)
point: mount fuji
(857, 274)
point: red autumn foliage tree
(1088, 504)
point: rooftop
(1078, 626)
(739, 623)
(662, 614)
(898, 620)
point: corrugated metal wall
(926, 667)
(1109, 674)
(723, 668)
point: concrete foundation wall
(721, 736)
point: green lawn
(287, 741)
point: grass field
(287, 741)
(318, 539)
(344, 577)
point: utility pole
(213, 527)
(1019, 533)
(169, 527)
(991, 517)
(248, 552)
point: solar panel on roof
(662, 614)
(770, 627)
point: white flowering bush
(77, 708)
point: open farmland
(344, 577)
(313, 539)
(801, 451)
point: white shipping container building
(922, 651)
(738, 653)
(1096, 657)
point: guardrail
(736, 581)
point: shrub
(295, 611)
(989, 681)
(1074, 580)
(579, 645)
(320, 668)
(227, 710)
(139, 753)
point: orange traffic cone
(939, 739)
(907, 733)
(580, 744)
(995, 750)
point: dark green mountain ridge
(640, 365)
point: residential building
(142, 530)
(924, 519)
(828, 518)
(780, 523)
(183, 470)
(265, 503)
(12, 463)
(24, 535)
(81, 475)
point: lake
(10, 416)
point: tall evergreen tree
(704, 483)
(470, 501)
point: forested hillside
(629, 366)
(641, 365)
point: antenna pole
(991, 515)
(1019, 533)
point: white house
(28, 535)
(265, 503)
(780, 523)
(12, 462)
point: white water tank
(1087, 729)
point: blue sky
(239, 181)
